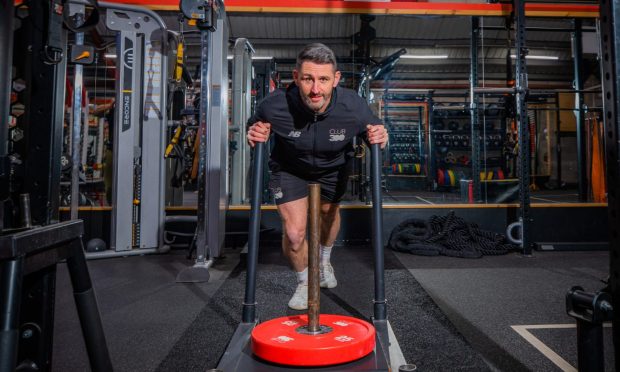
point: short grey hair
(317, 53)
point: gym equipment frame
(140, 127)
(242, 106)
(213, 136)
(238, 354)
(591, 309)
(34, 254)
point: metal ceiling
(282, 35)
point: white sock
(325, 253)
(302, 276)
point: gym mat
(426, 336)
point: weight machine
(210, 18)
(140, 127)
(242, 108)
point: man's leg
(295, 247)
(330, 222)
(330, 226)
(294, 244)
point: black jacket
(307, 143)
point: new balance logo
(294, 133)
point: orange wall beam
(393, 7)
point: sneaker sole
(329, 284)
(298, 307)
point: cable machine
(212, 134)
(139, 130)
(242, 108)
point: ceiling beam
(563, 10)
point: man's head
(316, 76)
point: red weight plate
(278, 341)
(440, 177)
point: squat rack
(610, 45)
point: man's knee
(329, 212)
(295, 235)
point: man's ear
(295, 75)
(337, 78)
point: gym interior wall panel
(565, 224)
(568, 122)
(577, 224)
(569, 160)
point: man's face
(316, 83)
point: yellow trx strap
(178, 69)
(173, 141)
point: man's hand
(377, 134)
(258, 132)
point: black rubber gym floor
(448, 314)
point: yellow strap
(173, 141)
(178, 70)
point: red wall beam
(393, 7)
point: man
(314, 122)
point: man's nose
(315, 87)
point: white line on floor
(543, 199)
(424, 200)
(544, 349)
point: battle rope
(447, 235)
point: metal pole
(205, 123)
(558, 144)
(473, 104)
(483, 90)
(76, 129)
(610, 44)
(524, 128)
(582, 177)
(431, 159)
(24, 206)
(380, 306)
(249, 302)
(590, 355)
(6, 62)
(88, 311)
(11, 272)
(314, 232)
(241, 104)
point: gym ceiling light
(434, 56)
(547, 58)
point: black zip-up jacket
(308, 143)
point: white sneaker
(328, 279)
(299, 301)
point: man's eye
(324, 80)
